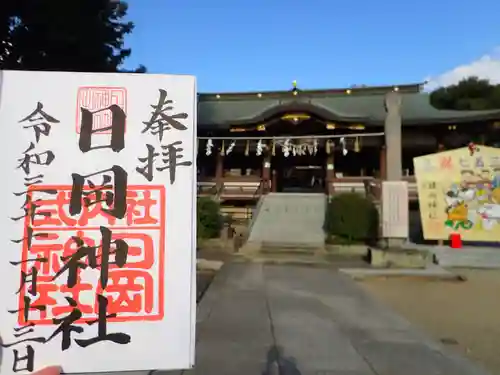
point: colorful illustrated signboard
(98, 221)
(459, 192)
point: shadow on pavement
(277, 364)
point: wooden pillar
(383, 164)
(219, 171)
(266, 172)
(274, 184)
(330, 173)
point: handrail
(259, 188)
(219, 190)
(372, 188)
(211, 191)
(255, 212)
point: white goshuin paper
(165, 343)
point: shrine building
(252, 143)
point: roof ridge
(410, 87)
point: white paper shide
(98, 227)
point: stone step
(323, 260)
(278, 251)
(468, 256)
(473, 258)
(284, 259)
(468, 262)
(289, 248)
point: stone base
(250, 248)
(399, 258)
(390, 243)
(216, 244)
(395, 242)
(354, 250)
(208, 265)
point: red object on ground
(472, 148)
(455, 241)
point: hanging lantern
(274, 148)
(328, 147)
(315, 146)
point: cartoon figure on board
(474, 201)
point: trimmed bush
(209, 219)
(351, 218)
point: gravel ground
(462, 315)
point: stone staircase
(287, 224)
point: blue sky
(264, 45)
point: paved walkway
(266, 320)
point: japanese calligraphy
(161, 118)
(171, 160)
(117, 128)
(42, 158)
(101, 194)
(86, 237)
(170, 154)
(41, 123)
(123, 253)
(430, 189)
(446, 162)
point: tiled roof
(365, 106)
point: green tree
(469, 94)
(77, 35)
(209, 219)
(350, 218)
(9, 12)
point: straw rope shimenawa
(380, 134)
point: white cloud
(486, 67)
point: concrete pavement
(264, 320)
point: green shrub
(351, 218)
(209, 219)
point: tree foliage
(469, 94)
(77, 35)
(352, 218)
(209, 218)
